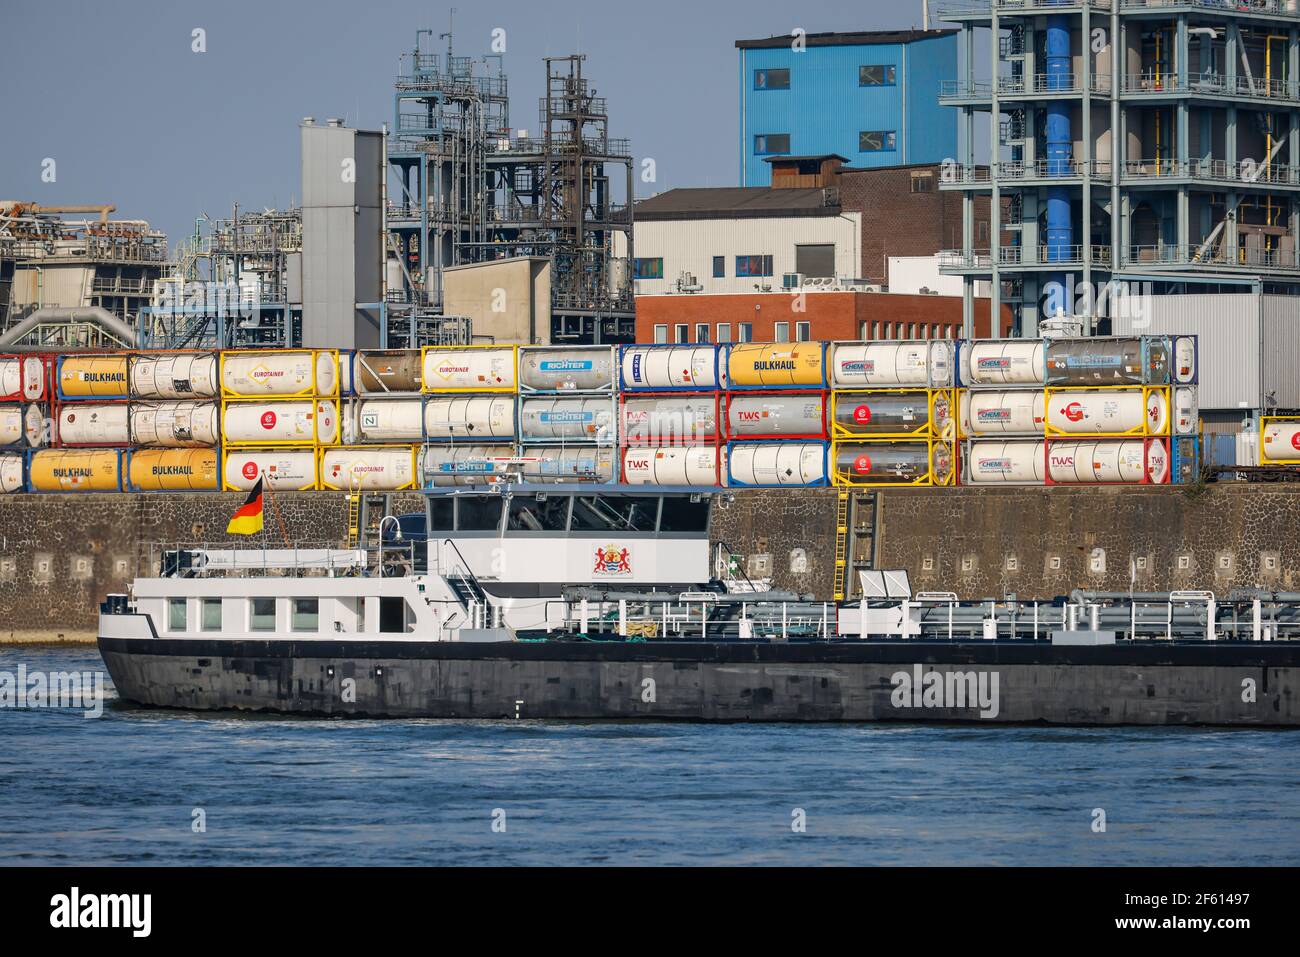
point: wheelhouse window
(478, 513)
(767, 144)
(876, 141)
(876, 74)
(538, 513)
(682, 514)
(211, 615)
(177, 614)
(306, 614)
(772, 79)
(261, 614)
(601, 513)
(648, 268)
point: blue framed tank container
(805, 464)
(670, 367)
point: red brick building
(779, 316)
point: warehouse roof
(735, 202)
(867, 38)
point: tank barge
(567, 602)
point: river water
(151, 787)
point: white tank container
(22, 378)
(272, 372)
(777, 463)
(566, 370)
(179, 376)
(1186, 410)
(1018, 412)
(445, 466)
(1184, 369)
(882, 463)
(22, 425)
(474, 418)
(94, 423)
(304, 421)
(1108, 461)
(866, 413)
(665, 420)
(11, 473)
(871, 365)
(672, 465)
(590, 420)
(363, 469)
(647, 368)
(1281, 442)
(1121, 361)
(1107, 412)
(1019, 362)
(569, 464)
(383, 420)
(175, 424)
(995, 463)
(469, 370)
(283, 469)
(799, 416)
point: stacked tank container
(382, 427)
(24, 415)
(469, 416)
(568, 413)
(173, 422)
(1083, 411)
(893, 413)
(279, 409)
(88, 427)
(670, 415)
(776, 414)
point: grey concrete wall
(59, 554)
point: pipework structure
(466, 188)
(1149, 141)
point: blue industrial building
(871, 97)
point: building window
(753, 266)
(923, 182)
(889, 330)
(912, 331)
(802, 331)
(983, 231)
(782, 332)
(648, 268)
(876, 141)
(681, 333)
(746, 332)
(211, 618)
(875, 330)
(719, 267)
(306, 614)
(952, 332)
(876, 74)
(701, 332)
(661, 332)
(772, 79)
(261, 614)
(767, 144)
(176, 614)
(724, 332)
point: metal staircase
(856, 533)
(841, 542)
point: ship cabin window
(392, 615)
(538, 513)
(682, 514)
(211, 617)
(441, 513)
(176, 614)
(261, 614)
(615, 513)
(306, 614)
(478, 513)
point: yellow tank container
(777, 365)
(55, 470)
(173, 470)
(93, 377)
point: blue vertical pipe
(1060, 146)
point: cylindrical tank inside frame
(1108, 411)
(777, 464)
(552, 369)
(446, 466)
(696, 465)
(286, 469)
(876, 413)
(93, 423)
(171, 470)
(184, 375)
(469, 370)
(175, 424)
(302, 421)
(572, 463)
(668, 420)
(774, 416)
(93, 377)
(368, 469)
(650, 368)
(90, 470)
(892, 463)
(585, 419)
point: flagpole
(266, 486)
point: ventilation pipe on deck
(1060, 145)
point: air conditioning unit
(791, 280)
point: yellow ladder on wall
(841, 542)
(354, 519)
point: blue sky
(114, 94)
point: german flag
(248, 520)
